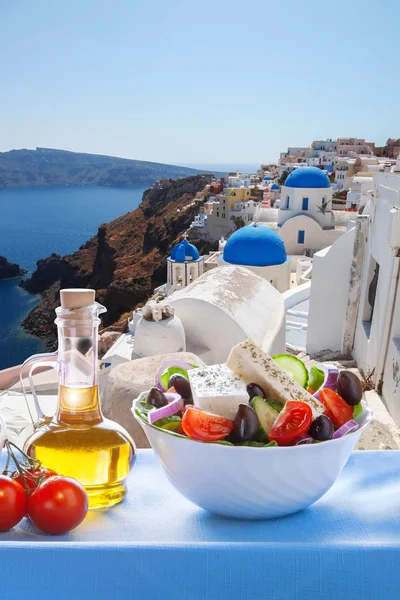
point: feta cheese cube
(218, 390)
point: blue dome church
(183, 266)
(305, 215)
(260, 249)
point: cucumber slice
(271, 444)
(294, 367)
(266, 415)
(317, 378)
(223, 443)
(357, 411)
(171, 423)
(275, 405)
(144, 408)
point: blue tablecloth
(157, 545)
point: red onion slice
(165, 411)
(168, 365)
(330, 381)
(348, 427)
(171, 396)
(303, 439)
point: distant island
(46, 167)
(9, 270)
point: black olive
(247, 424)
(254, 390)
(321, 429)
(156, 398)
(182, 386)
(349, 387)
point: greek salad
(254, 400)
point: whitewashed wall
(226, 306)
(276, 275)
(316, 238)
(376, 344)
(314, 195)
(329, 293)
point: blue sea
(248, 168)
(34, 222)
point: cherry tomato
(13, 502)
(33, 477)
(58, 505)
(340, 411)
(202, 425)
(293, 421)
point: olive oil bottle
(78, 441)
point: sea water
(34, 223)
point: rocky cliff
(9, 270)
(125, 260)
(45, 166)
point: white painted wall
(329, 292)
(267, 215)
(159, 337)
(293, 197)
(226, 306)
(276, 275)
(315, 237)
(382, 245)
(391, 374)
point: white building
(323, 153)
(305, 217)
(295, 151)
(359, 187)
(238, 180)
(260, 250)
(355, 291)
(344, 172)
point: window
(300, 236)
(305, 204)
(323, 201)
(287, 201)
(217, 214)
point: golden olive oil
(79, 442)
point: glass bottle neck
(78, 399)
(79, 405)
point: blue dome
(255, 246)
(184, 252)
(308, 177)
(275, 187)
(267, 178)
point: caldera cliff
(125, 260)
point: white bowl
(247, 482)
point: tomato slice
(328, 412)
(292, 422)
(202, 425)
(340, 411)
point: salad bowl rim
(140, 418)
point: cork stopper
(77, 298)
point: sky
(197, 81)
